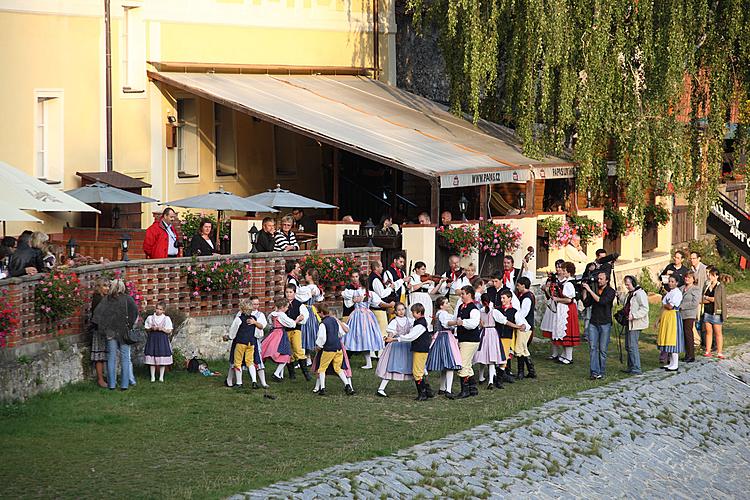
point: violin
(431, 277)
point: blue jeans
(634, 356)
(125, 366)
(598, 345)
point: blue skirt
(364, 332)
(680, 344)
(400, 359)
(442, 355)
(310, 328)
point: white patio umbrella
(29, 193)
(220, 201)
(100, 192)
(9, 213)
(283, 198)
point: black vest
(505, 331)
(494, 295)
(291, 280)
(530, 316)
(349, 310)
(246, 333)
(293, 312)
(421, 343)
(394, 274)
(333, 343)
(464, 334)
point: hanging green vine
(653, 81)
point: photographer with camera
(603, 263)
(600, 325)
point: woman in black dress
(201, 243)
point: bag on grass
(193, 365)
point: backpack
(194, 363)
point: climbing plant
(652, 82)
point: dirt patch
(739, 305)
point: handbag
(134, 334)
(622, 316)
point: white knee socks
(344, 378)
(153, 372)
(321, 381)
(238, 376)
(262, 378)
(555, 351)
(491, 376)
(383, 385)
(568, 353)
(448, 380)
(674, 360)
(481, 373)
(161, 373)
(252, 371)
(280, 370)
(368, 361)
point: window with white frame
(49, 136)
(225, 148)
(133, 50)
(187, 137)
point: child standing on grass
(444, 355)
(276, 345)
(244, 332)
(328, 342)
(396, 358)
(419, 337)
(158, 352)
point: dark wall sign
(731, 223)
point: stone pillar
(664, 242)
(418, 241)
(631, 245)
(239, 229)
(596, 214)
(331, 233)
(526, 224)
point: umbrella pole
(96, 233)
(3, 229)
(218, 231)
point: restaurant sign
(566, 172)
(483, 178)
(731, 224)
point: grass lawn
(191, 437)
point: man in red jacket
(162, 239)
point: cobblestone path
(660, 435)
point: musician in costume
(421, 287)
(455, 281)
(382, 296)
(393, 275)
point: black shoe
(292, 375)
(303, 368)
(449, 395)
(381, 394)
(349, 390)
(276, 379)
(503, 375)
(689, 360)
(441, 392)
(473, 389)
(530, 367)
(498, 382)
(255, 385)
(519, 372)
(464, 390)
(626, 371)
(237, 386)
(508, 369)
(490, 386)
(671, 369)
(421, 392)
(322, 392)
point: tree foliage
(651, 81)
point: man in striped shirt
(284, 239)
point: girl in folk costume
(395, 361)
(328, 342)
(444, 355)
(353, 289)
(491, 351)
(245, 332)
(420, 291)
(299, 312)
(276, 345)
(365, 334)
(566, 334)
(551, 288)
(158, 352)
(670, 339)
(419, 338)
(309, 294)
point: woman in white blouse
(670, 339)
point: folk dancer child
(276, 345)
(491, 352)
(480, 287)
(670, 339)
(364, 331)
(395, 275)
(566, 334)
(328, 341)
(526, 311)
(293, 271)
(420, 291)
(261, 324)
(552, 288)
(444, 355)
(247, 327)
(419, 337)
(352, 289)
(158, 352)
(395, 361)
(310, 293)
(455, 280)
(466, 319)
(509, 324)
(299, 312)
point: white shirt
(259, 317)
(524, 308)
(413, 334)
(472, 321)
(673, 297)
(396, 282)
(568, 290)
(443, 318)
(455, 285)
(305, 292)
(284, 319)
(392, 327)
(425, 287)
(501, 319)
(320, 341)
(383, 291)
(349, 295)
(172, 237)
(304, 312)
(510, 283)
(162, 323)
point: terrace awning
(374, 120)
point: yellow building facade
(52, 89)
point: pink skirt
(491, 351)
(276, 346)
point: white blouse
(673, 298)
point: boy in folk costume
(293, 270)
(299, 312)
(526, 311)
(420, 339)
(330, 332)
(509, 324)
(244, 333)
(466, 319)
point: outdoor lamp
(253, 232)
(522, 201)
(116, 216)
(370, 231)
(463, 204)
(588, 197)
(71, 247)
(124, 243)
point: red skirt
(573, 330)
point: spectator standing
(691, 301)
(265, 241)
(162, 239)
(675, 268)
(714, 312)
(201, 244)
(670, 338)
(7, 247)
(27, 259)
(303, 223)
(636, 308)
(98, 338)
(284, 238)
(445, 219)
(600, 325)
(701, 277)
(115, 315)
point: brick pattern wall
(165, 279)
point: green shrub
(647, 282)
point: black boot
(421, 393)
(303, 369)
(503, 375)
(427, 389)
(292, 375)
(473, 389)
(519, 372)
(508, 368)
(498, 382)
(530, 367)
(464, 389)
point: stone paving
(659, 435)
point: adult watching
(285, 239)
(27, 259)
(162, 239)
(636, 310)
(691, 301)
(676, 269)
(600, 325)
(266, 241)
(303, 223)
(201, 243)
(714, 312)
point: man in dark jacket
(266, 240)
(25, 260)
